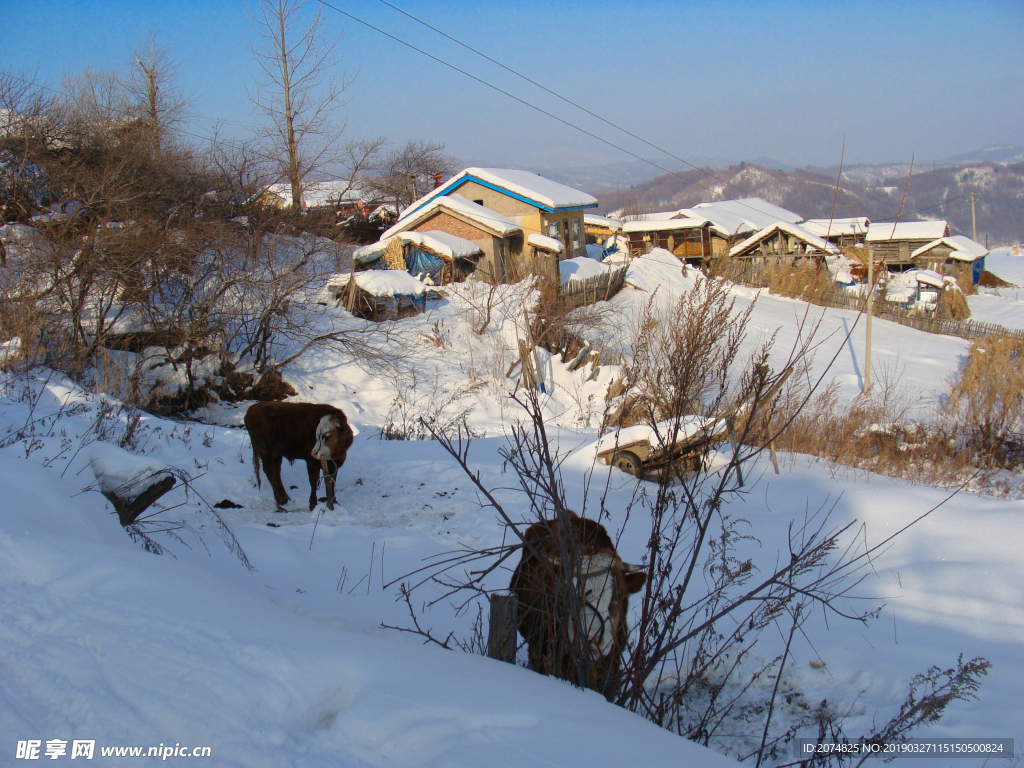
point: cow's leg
(313, 470)
(273, 469)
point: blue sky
(738, 80)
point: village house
(599, 228)
(707, 229)
(498, 209)
(895, 244)
(783, 243)
(496, 237)
(845, 233)
(955, 255)
(686, 237)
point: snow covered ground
(1004, 306)
(288, 663)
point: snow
(120, 472)
(1003, 306)
(364, 254)
(593, 220)
(790, 229)
(664, 225)
(545, 243)
(1007, 265)
(544, 192)
(857, 225)
(289, 664)
(905, 230)
(443, 244)
(462, 208)
(382, 282)
(731, 217)
(581, 268)
(688, 426)
(320, 194)
(964, 249)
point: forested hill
(999, 188)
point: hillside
(1000, 190)
(297, 662)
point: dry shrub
(681, 357)
(808, 279)
(952, 305)
(873, 433)
(986, 404)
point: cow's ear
(635, 581)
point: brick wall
(445, 222)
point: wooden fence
(580, 293)
(965, 329)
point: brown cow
(318, 434)
(602, 584)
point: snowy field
(1004, 306)
(288, 663)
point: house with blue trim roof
(498, 209)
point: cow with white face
(571, 581)
(318, 434)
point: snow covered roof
(964, 249)
(732, 217)
(544, 193)
(688, 427)
(857, 225)
(545, 243)
(593, 220)
(664, 225)
(364, 254)
(442, 244)
(460, 207)
(382, 282)
(906, 230)
(790, 229)
(319, 194)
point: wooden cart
(640, 455)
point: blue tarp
(421, 263)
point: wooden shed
(957, 255)
(782, 243)
(688, 238)
(895, 244)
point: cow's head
(333, 438)
(604, 583)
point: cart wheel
(629, 462)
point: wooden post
(529, 379)
(502, 626)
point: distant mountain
(875, 192)
(997, 153)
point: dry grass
(987, 402)
(976, 437)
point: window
(553, 230)
(576, 234)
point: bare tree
(297, 91)
(405, 173)
(152, 92)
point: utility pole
(867, 329)
(974, 220)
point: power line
(569, 101)
(515, 98)
(559, 96)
